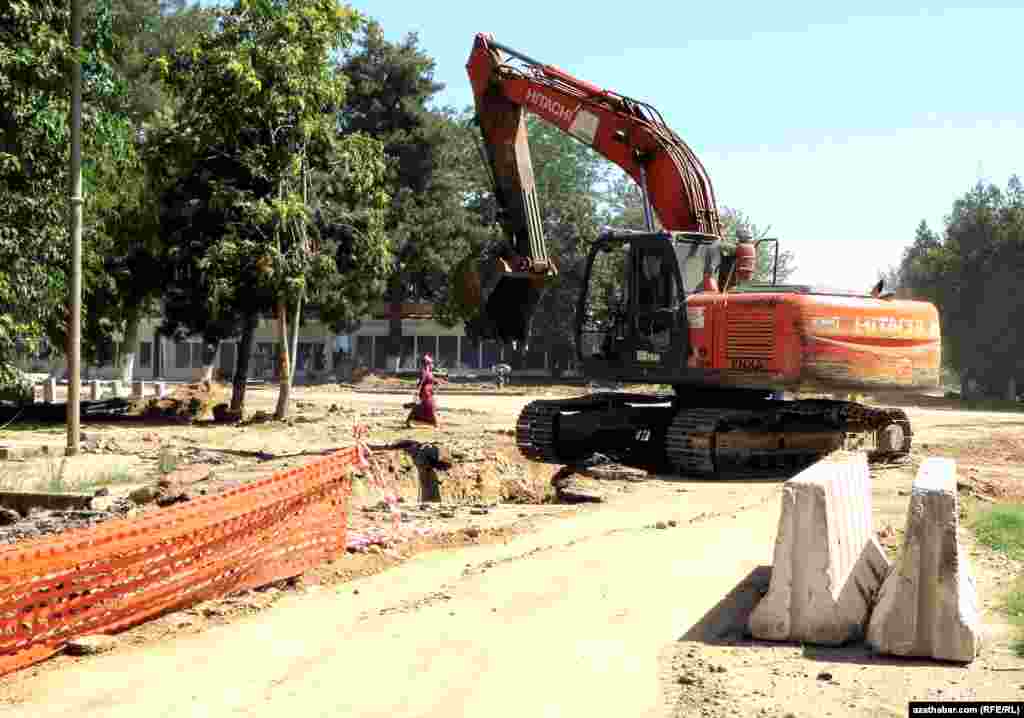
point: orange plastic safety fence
(110, 577)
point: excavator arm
(508, 84)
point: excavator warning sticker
(584, 126)
(695, 317)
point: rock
(89, 645)
(673, 523)
(143, 495)
(471, 532)
(615, 472)
(173, 496)
(446, 514)
(661, 525)
(571, 490)
(824, 676)
(479, 512)
(928, 606)
(102, 491)
(828, 563)
(9, 516)
(187, 475)
(687, 680)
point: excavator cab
(632, 317)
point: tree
(427, 222)
(263, 94)
(34, 139)
(970, 272)
(734, 223)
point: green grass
(1001, 528)
(31, 427)
(120, 475)
(168, 460)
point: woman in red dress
(424, 411)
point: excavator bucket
(503, 298)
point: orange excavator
(679, 306)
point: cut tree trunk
(284, 394)
(242, 367)
(131, 343)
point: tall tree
(970, 272)
(427, 223)
(263, 92)
(34, 140)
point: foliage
(256, 150)
(429, 227)
(35, 53)
(735, 222)
(970, 271)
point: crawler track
(747, 439)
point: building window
(182, 355)
(470, 358)
(145, 355)
(448, 352)
(364, 351)
(408, 359)
(310, 358)
(189, 355)
(426, 345)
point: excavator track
(744, 440)
(535, 431)
(700, 444)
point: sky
(838, 125)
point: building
(320, 350)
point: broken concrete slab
(928, 606)
(828, 564)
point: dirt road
(600, 613)
(577, 619)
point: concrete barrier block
(139, 389)
(828, 565)
(928, 606)
(161, 389)
(95, 391)
(50, 391)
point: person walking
(424, 410)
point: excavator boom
(506, 85)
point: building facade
(320, 352)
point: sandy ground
(551, 610)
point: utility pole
(75, 320)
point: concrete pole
(75, 320)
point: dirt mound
(188, 401)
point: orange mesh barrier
(113, 576)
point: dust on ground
(714, 670)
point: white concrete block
(138, 389)
(828, 564)
(161, 389)
(928, 606)
(95, 390)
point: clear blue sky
(841, 125)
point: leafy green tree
(34, 140)
(970, 272)
(427, 222)
(263, 92)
